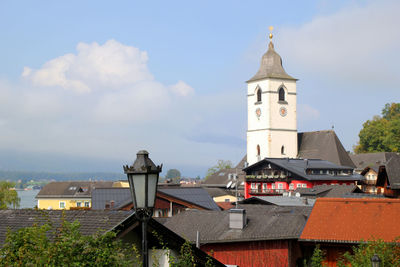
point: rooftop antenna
(237, 183)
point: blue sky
(84, 85)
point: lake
(27, 198)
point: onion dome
(271, 66)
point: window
(273, 185)
(258, 150)
(281, 94)
(283, 150)
(253, 186)
(227, 200)
(62, 204)
(259, 95)
(298, 185)
(304, 185)
(79, 204)
(265, 188)
(280, 186)
(291, 186)
(87, 204)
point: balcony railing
(267, 191)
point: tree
(382, 133)
(8, 196)
(46, 245)
(173, 173)
(389, 254)
(317, 258)
(221, 165)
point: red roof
(225, 205)
(353, 220)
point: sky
(84, 85)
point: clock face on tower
(258, 112)
(283, 111)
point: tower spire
(271, 28)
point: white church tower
(272, 114)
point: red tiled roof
(225, 205)
(353, 220)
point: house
(230, 180)
(367, 164)
(221, 194)
(124, 223)
(274, 176)
(388, 181)
(169, 200)
(337, 224)
(68, 195)
(252, 235)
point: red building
(338, 224)
(275, 176)
(253, 235)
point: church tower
(272, 113)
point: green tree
(382, 133)
(173, 173)
(221, 165)
(317, 258)
(8, 196)
(46, 245)
(389, 254)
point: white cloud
(357, 45)
(182, 89)
(307, 113)
(94, 67)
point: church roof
(271, 66)
(323, 145)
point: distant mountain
(58, 176)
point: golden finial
(270, 33)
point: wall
(270, 130)
(248, 254)
(222, 198)
(55, 203)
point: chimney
(112, 202)
(237, 218)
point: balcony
(267, 191)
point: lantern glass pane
(139, 187)
(152, 187)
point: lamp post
(143, 179)
(375, 261)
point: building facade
(272, 111)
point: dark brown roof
(271, 66)
(323, 145)
(393, 171)
(217, 192)
(222, 178)
(328, 190)
(71, 189)
(373, 160)
(265, 222)
(91, 221)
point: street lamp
(375, 261)
(143, 179)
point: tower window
(281, 94)
(283, 150)
(259, 95)
(258, 150)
